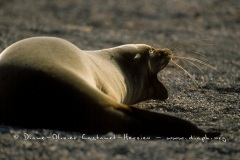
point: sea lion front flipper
(146, 123)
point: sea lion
(48, 82)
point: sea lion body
(48, 82)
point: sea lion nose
(165, 52)
(168, 53)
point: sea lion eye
(151, 51)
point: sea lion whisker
(186, 60)
(193, 79)
(181, 44)
(183, 61)
(195, 66)
(172, 44)
(194, 44)
(199, 53)
(196, 60)
(176, 44)
(168, 44)
(179, 50)
(201, 42)
(206, 44)
(178, 73)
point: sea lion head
(143, 70)
(158, 58)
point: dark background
(210, 27)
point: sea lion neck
(136, 78)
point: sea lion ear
(159, 90)
(137, 56)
